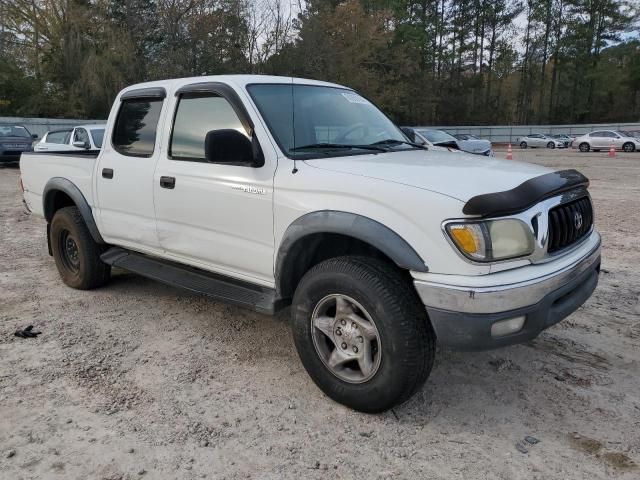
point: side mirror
(410, 133)
(34, 136)
(81, 144)
(231, 147)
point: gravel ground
(140, 380)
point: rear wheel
(362, 333)
(584, 147)
(76, 254)
(628, 147)
(523, 145)
(551, 145)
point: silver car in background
(540, 140)
(603, 139)
(471, 143)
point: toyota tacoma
(269, 192)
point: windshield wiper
(393, 141)
(336, 146)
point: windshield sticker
(355, 98)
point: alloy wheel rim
(346, 338)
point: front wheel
(523, 145)
(584, 147)
(362, 333)
(551, 145)
(628, 147)
(76, 254)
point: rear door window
(134, 133)
(59, 137)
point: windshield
(307, 120)
(437, 136)
(97, 134)
(14, 131)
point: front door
(215, 216)
(124, 179)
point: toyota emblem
(577, 220)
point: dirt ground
(140, 380)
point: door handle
(168, 182)
(107, 173)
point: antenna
(293, 122)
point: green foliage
(422, 61)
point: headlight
(492, 240)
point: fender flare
(352, 225)
(59, 184)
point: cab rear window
(136, 125)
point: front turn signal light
(469, 238)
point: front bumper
(11, 155)
(462, 317)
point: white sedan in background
(84, 137)
(540, 140)
(603, 139)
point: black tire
(407, 341)
(584, 147)
(523, 145)
(76, 254)
(551, 145)
(628, 147)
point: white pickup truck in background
(271, 191)
(84, 137)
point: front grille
(568, 223)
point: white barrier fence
(40, 126)
(511, 133)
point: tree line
(423, 62)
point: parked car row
(17, 139)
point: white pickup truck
(271, 191)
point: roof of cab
(233, 80)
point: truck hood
(460, 176)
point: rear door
(599, 139)
(55, 141)
(213, 215)
(124, 179)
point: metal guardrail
(495, 133)
(40, 126)
(511, 133)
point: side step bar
(260, 299)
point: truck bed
(37, 168)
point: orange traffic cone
(612, 151)
(509, 153)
